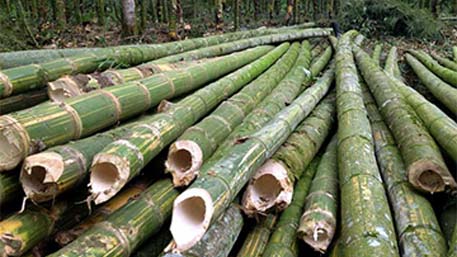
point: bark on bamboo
(444, 92)
(257, 239)
(366, 224)
(124, 230)
(283, 242)
(22, 101)
(318, 222)
(33, 130)
(123, 159)
(445, 61)
(197, 143)
(418, 231)
(426, 168)
(448, 75)
(222, 181)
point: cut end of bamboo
(184, 160)
(318, 235)
(108, 174)
(12, 144)
(63, 88)
(269, 187)
(39, 175)
(430, 177)
(12, 245)
(192, 212)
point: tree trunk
(143, 14)
(296, 11)
(100, 12)
(172, 27)
(153, 9)
(129, 18)
(256, 9)
(289, 11)
(236, 15)
(316, 10)
(60, 18)
(219, 15)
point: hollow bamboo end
(39, 175)
(269, 187)
(318, 234)
(108, 174)
(184, 160)
(13, 147)
(63, 88)
(192, 212)
(429, 177)
(11, 244)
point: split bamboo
(257, 238)
(444, 73)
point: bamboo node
(8, 86)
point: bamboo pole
(222, 181)
(444, 92)
(453, 245)
(391, 66)
(376, 55)
(454, 52)
(22, 101)
(444, 73)
(187, 154)
(155, 245)
(257, 238)
(32, 130)
(426, 168)
(10, 189)
(445, 61)
(318, 222)
(123, 159)
(365, 221)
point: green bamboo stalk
(448, 217)
(366, 223)
(257, 238)
(418, 231)
(283, 242)
(453, 245)
(376, 55)
(32, 130)
(318, 222)
(426, 168)
(220, 237)
(454, 51)
(444, 92)
(10, 189)
(197, 143)
(391, 66)
(444, 73)
(123, 231)
(22, 101)
(155, 245)
(222, 181)
(123, 159)
(272, 185)
(445, 61)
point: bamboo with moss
(391, 66)
(318, 222)
(221, 181)
(22, 101)
(283, 242)
(220, 237)
(124, 230)
(10, 188)
(444, 92)
(40, 127)
(446, 74)
(123, 159)
(426, 168)
(450, 64)
(454, 52)
(197, 143)
(257, 238)
(376, 55)
(366, 223)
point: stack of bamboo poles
(273, 139)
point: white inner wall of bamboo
(33, 180)
(103, 176)
(184, 161)
(10, 152)
(266, 188)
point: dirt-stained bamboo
(197, 143)
(366, 223)
(123, 159)
(283, 242)
(37, 128)
(221, 181)
(426, 168)
(22, 101)
(446, 74)
(445, 61)
(257, 238)
(318, 222)
(124, 230)
(444, 92)
(418, 231)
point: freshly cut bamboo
(220, 182)
(257, 239)
(418, 231)
(197, 143)
(453, 244)
(155, 245)
(444, 92)
(445, 61)
(124, 230)
(123, 159)
(272, 185)
(376, 55)
(10, 189)
(318, 222)
(283, 242)
(366, 224)
(426, 168)
(391, 66)
(32, 130)
(448, 75)
(22, 101)
(65, 237)
(220, 237)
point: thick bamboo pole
(391, 66)
(123, 159)
(426, 168)
(220, 182)
(35, 129)
(197, 143)
(453, 244)
(454, 51)
(22, 101)
(446, 74)
(366, 224)
(444, 92)
(10, 189)
(445, 61)
(155, 245)
(376, 55)
(257, 238)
